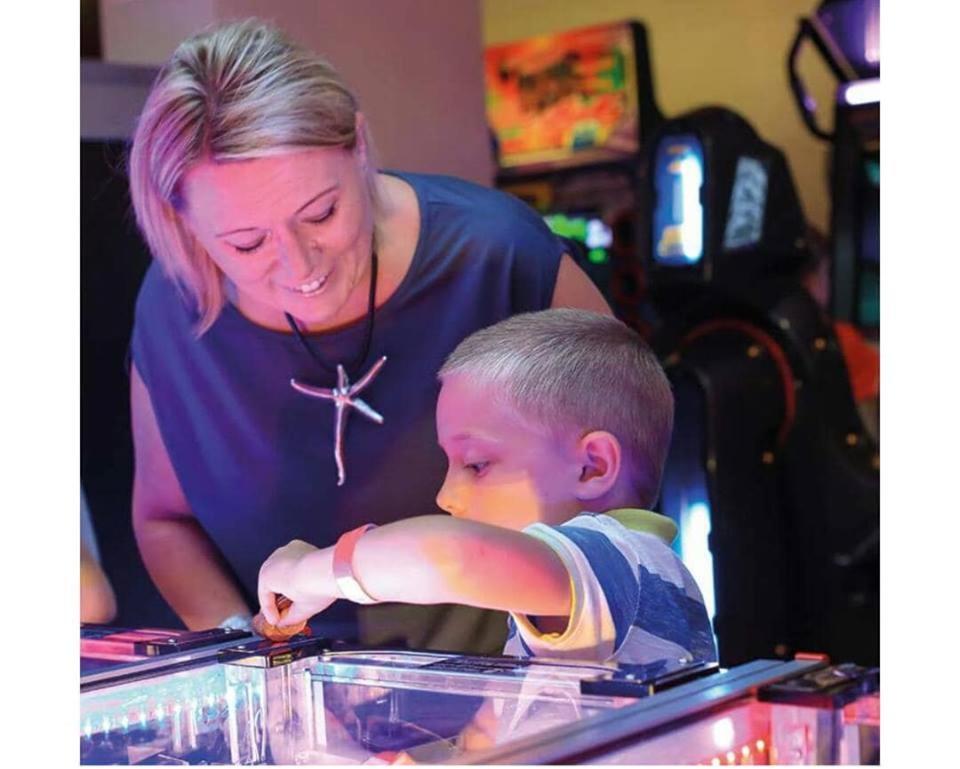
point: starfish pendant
(344, 397)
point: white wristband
(347, 583)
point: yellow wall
(727, 52)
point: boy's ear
(600, 457)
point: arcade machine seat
(772, 479)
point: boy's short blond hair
(565, 369)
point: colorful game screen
(564, 99)
(586, 228)
(678, 211)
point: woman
(287, 266)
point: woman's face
(292, 233)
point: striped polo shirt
(633, 599)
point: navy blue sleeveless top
(255, 458)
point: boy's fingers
(268, 605)
(293, 614)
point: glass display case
(107, 653)
(435, 708)
(303, 703)
(160, 696)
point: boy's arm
(427, 560)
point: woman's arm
(183, 562)
(425, 560)
(574, 289)
(97, 600)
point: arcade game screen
(564, 99)
(678, 213)
(586, 228)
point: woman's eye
(323, 217)
(477, 468)
(251, 248)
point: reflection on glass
(430, 708)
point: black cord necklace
(368, 332)
(344, 395)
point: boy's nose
(448, 500)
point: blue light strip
(695, 551)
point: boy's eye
(477, 468)
(322, 217)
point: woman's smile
(311, 288)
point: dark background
(113, 260)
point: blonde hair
(239, 91)
(565, 369)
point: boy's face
(501, 470)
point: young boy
(543, 417)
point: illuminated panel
(737, 735)
(590, 230)
(567, 98)
(695, 551)
(196, 716)
(678, 213)
(861, 92)
(748, 201)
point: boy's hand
(285, 573)
(273, 633)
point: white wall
(146, 31)
(416, 65)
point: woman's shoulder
(482, 240)
(452, 201)
(156, 285)
(162, 305)
(155, 292)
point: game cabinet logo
(564, 99)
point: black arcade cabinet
(772, 479)
(568, 115)
(846, 34)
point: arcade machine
(211, 698)
(772, 478)
(847, 35)
(568, 114)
